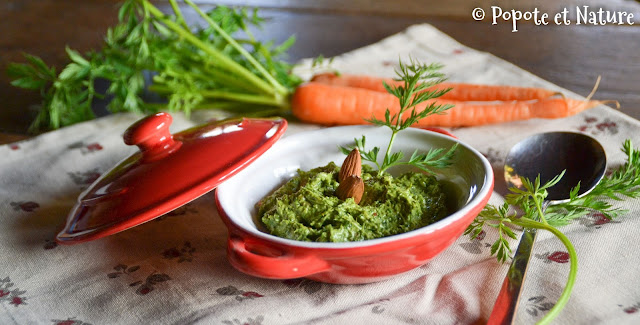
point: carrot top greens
(416, 78)
(192, 67)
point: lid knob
(151, 135)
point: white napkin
(174, 269)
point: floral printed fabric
(173, 270)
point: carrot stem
(220, 94)
(385, 164)
(231, 65)
(573, 267)
(276, 85)
(178, 12)
(247, 98)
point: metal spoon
(547, 154)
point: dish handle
(285, 266)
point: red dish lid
(168, 172)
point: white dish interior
(469, 179)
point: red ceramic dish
(253, 251)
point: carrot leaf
(416, 79)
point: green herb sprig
(195, 68)
(623, 182)
(416, 78)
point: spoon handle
(504, 310)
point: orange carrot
(338, 105)
(459, 91)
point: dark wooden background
(570, 56)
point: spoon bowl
(548, 154)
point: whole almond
(352, 166)
(351, 187)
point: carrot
(317, 102)
(459, 91)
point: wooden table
(570, 56)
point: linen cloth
(173, 270)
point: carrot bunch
(332, 99)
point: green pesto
(307, 209)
